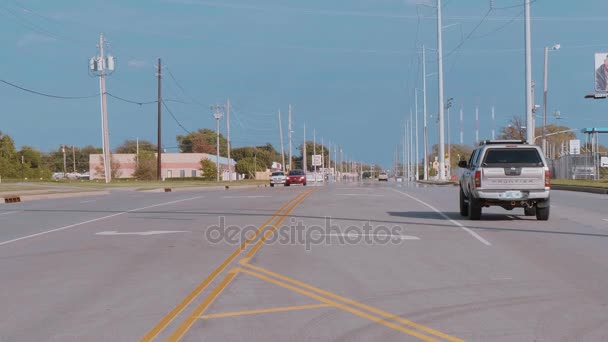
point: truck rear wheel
(542, 214)
(464, 208)
(474, 209)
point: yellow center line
(342, 306)
(272, 229)
(262, 311)
(354, 303)
(165, 321)
(185, 326)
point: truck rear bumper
(497, 195)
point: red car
(295, 177)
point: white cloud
(138, 63)
(34, 38)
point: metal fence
(580, 166)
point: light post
(545, 86)
(217, 115)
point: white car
(383, 177)
(277, 177)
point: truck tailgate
(513, 178)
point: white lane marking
(8, 212)
(511, 217)
(456, 223)
(605, 220)
(371, 195)
(152, 232)
(354, 235)
(244, 196)
(97, 219)
(89, 201)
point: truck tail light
(478, 179)
(547, 179)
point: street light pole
(528, 72)
(424, 133)
(440, 94)
(545, 92)
(217, 115)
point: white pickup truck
(506, 173)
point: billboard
(601, 71)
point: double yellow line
(282, 213)
(365, 311)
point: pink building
(174, 165)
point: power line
(130, 101)
(182, 88)
(174, 118)
(47, 95)
(512, 6)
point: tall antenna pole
(290, 136)
(228, 138)
(159, 148)
(405, 165)
(282, 146)
(425, 137)
(440, 95)
(529, 100)
(416, 130)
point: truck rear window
(516, 156)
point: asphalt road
(349, 262)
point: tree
(9, 161)
(515, 130)
(310, 151)
(264, 155)
(54, 160)
(208, 169)
(248, 167)
(146, 166)
(130, 146)
(202, 141)
(114, 168)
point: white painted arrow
(152, 232)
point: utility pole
(314, 150)
(64, 161)
(424, 133)
(411, 149)
(217, 115)
(416, 130)
(159, 148)
(528, 48)
(137, 150)
(461, 126)
(290, 136)
(228, 138)
(405, 165)
(100, 64)
(74, 158)
(440, 94)
(323, 157)
(493, 124)
(476, 124)
(282, 147)
(304, 161)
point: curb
(37, 197)
(588, 189)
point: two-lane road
(347, 262)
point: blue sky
(348, 67)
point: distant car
(383, 177)
(58, 176)
(399, 179)
(296, 177)
(277, 177)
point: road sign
(316, 160)
(604, 162)
(575, 146)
